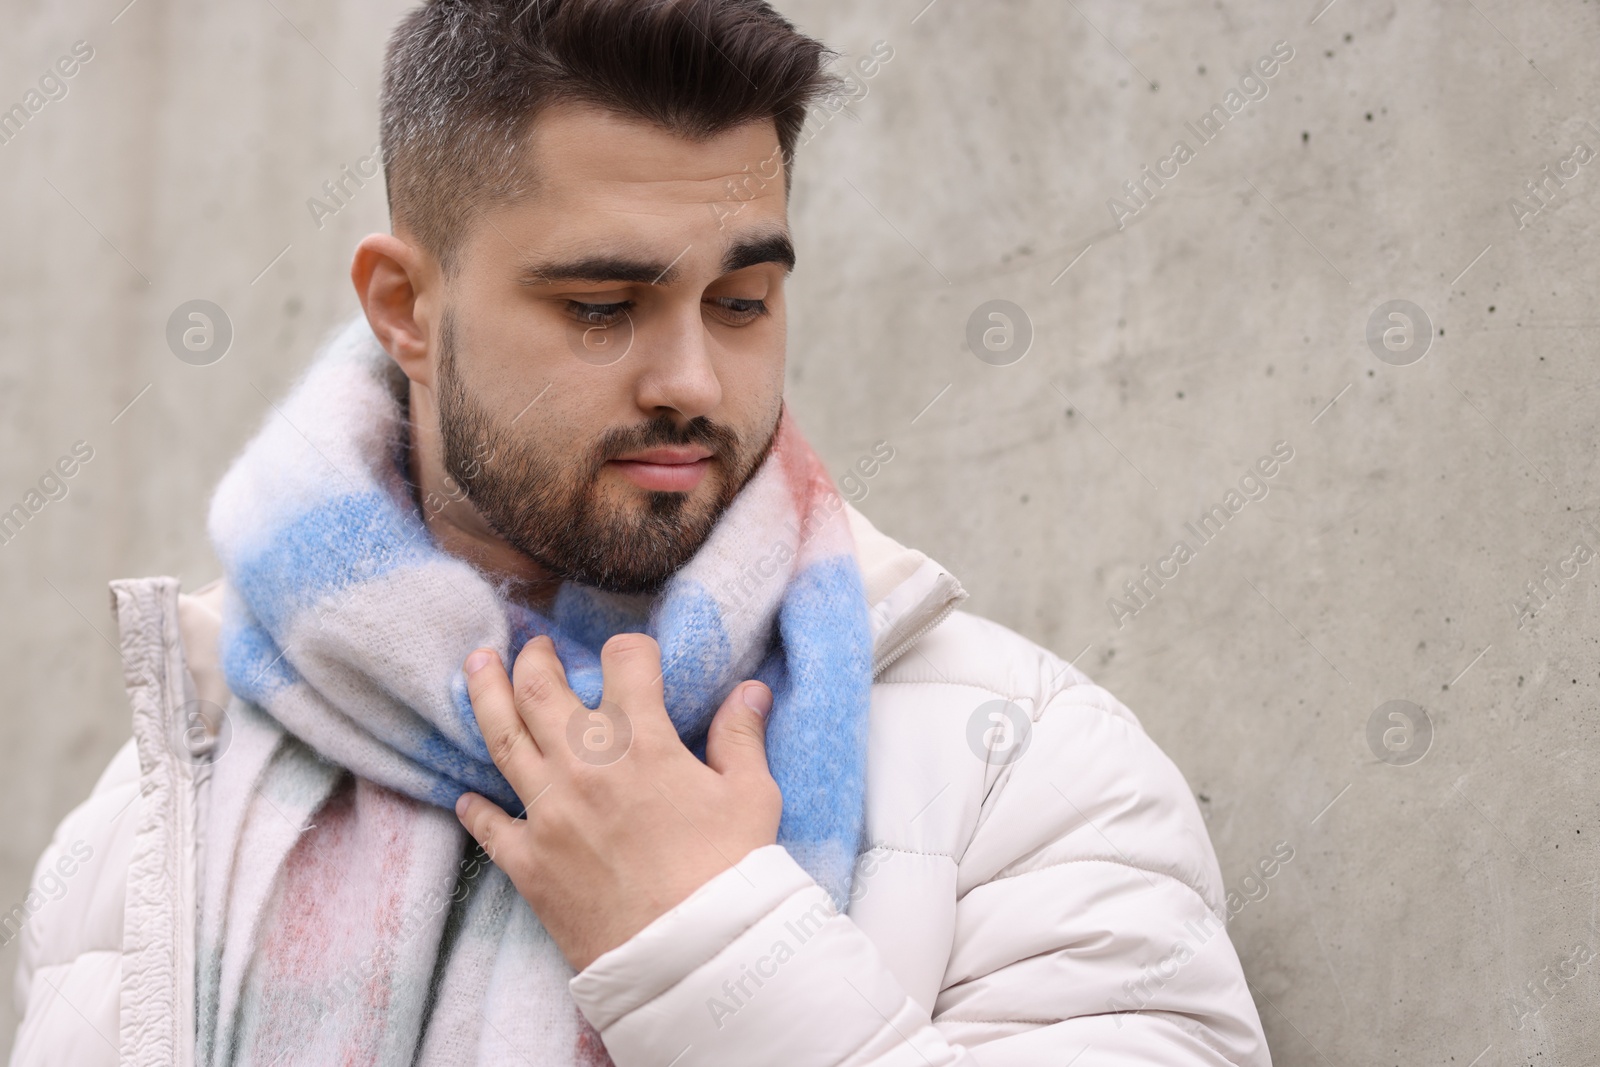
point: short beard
(553, 511)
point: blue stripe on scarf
(816, 735)
(343, 541)
(254, 665)
(696, 656)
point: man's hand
(623, 822)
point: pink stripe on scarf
(337, 916)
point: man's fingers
(489, 826)
(540, 693)
(737, 741)
(630, 665)
(511, 746)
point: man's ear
(391, 279)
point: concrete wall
(1174, 343)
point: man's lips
(675, 469)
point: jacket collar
(908, 593)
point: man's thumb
(737, 740)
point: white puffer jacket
(1055, 898)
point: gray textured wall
(1387, 562)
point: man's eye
(738, 311)
(599, 314)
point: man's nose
(677, 371)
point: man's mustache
(700, 430)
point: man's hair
(463, 81)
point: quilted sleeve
(1090, 912)
(1088, 923)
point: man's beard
(554, 511)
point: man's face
(610, 356)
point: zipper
(905, 646)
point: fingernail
(461, 806)
(758, 698)
(478, 661)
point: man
(553, 707)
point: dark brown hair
(464, 79)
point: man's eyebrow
(746, 252)
(601, 268)
(772, 248)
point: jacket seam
(1199, 1034)
(1179, 1021)
(888, 1027)
(1042, 702)
(1116, 863)
(1002, 1022)
(909, 851)
(947, 681)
